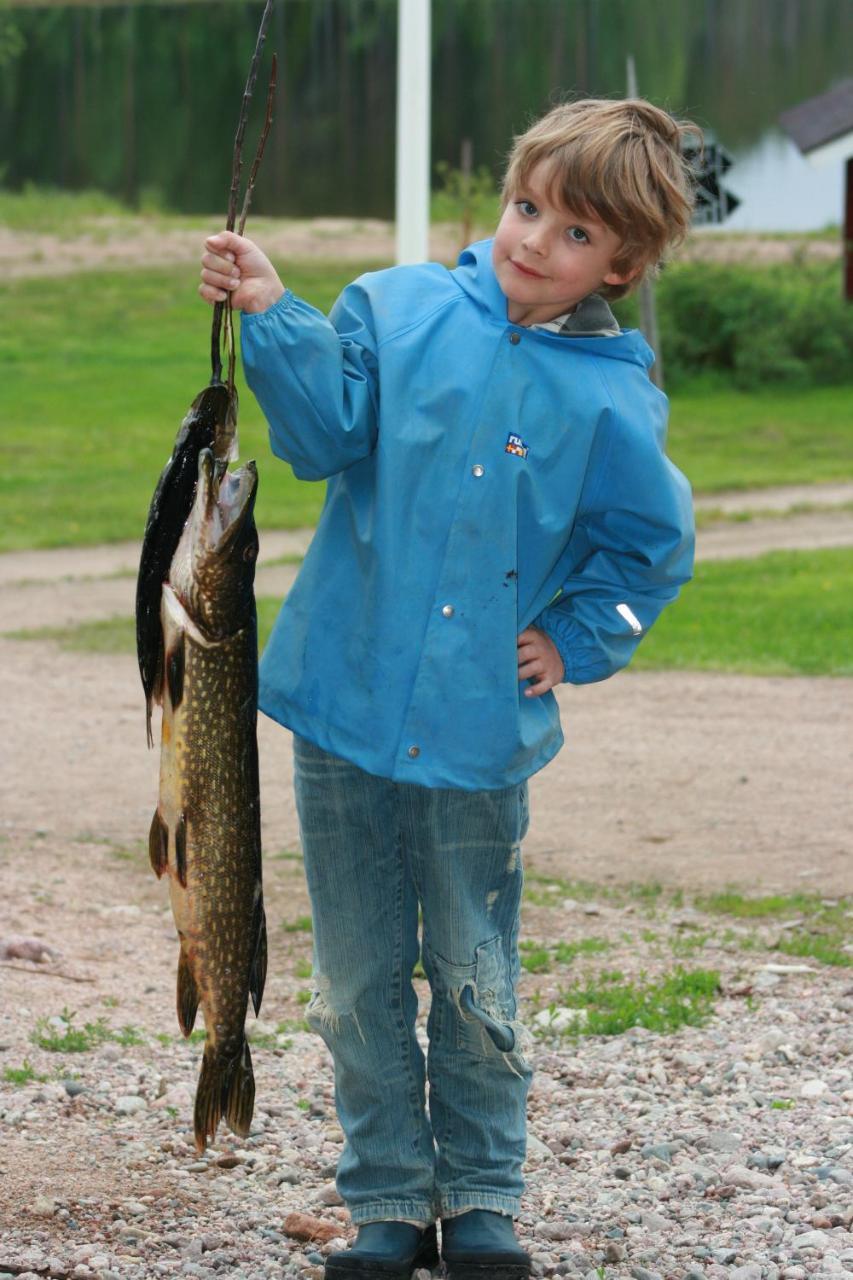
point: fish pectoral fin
(175, 663)
(158, 845)
(224, 1088)
(258, 972)
(187, 995)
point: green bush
(786, 323)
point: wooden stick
(247, 200)
(236, 168)
(250, 187)
(44, 973)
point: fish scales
(206, 831)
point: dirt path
(120, 244)
(691, 779)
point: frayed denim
(375, 851)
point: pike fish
(211, 423)
(205, 834)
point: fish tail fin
(258, 972)
(187, 1001)
(224, 1088)
(239, 1101)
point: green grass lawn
(99, 370)
(785, 613)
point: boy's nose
(535, 241)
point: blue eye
(527, 207)
(578, 235)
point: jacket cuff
(284, 303)
(583, 661)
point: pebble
(129, 1104)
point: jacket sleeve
(630, 551)
(316, 380)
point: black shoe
(385, 1251)
(480, 1245)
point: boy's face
(547, 258)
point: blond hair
(620, 160)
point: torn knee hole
(326, 1009)
(501, 1035)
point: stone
(129, 1104)
(813, 1089)
(722, 1140)
(811, 1240)
(329, 1194)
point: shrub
(785, 323)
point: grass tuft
(612, 1005)
(69, 1038)
(20, 1076)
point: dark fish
(210, 424)
(205, 833)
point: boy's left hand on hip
(539, 661)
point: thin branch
(265, 132)
(236, 169)
(45, 973)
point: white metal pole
(413, 129)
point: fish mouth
(227, 499)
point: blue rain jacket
(482, 476)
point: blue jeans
(374, 851)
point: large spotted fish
(205, 833)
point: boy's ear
(622, 277)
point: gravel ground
(722, 1151)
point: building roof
(821, 120)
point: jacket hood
(475, 275)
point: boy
(500, 517)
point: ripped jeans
(375, 851)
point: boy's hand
(233, 264)
(538, 660)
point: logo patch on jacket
(515, 445)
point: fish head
(213, 569)
(213, 416)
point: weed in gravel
(60, 1036)
(302, 969)
(21, 1075)
(300, 925)
(612, 1005)
(566, 952)
(686, 944)
(738, 904)
(303, 996)
(535, 958)
(782, 1104)
(128, 1036)
(828, 948)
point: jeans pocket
(482, 1001)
